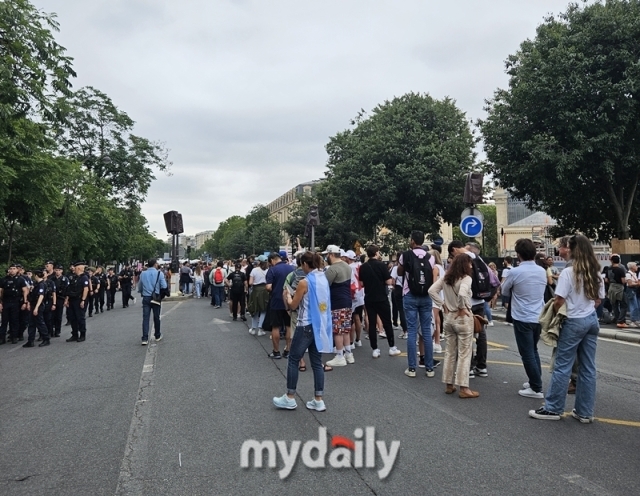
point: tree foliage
(402, 166)
(565, 135)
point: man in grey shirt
(339, 276)
(526, 284)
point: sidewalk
(609, 331)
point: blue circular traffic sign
(471, 226)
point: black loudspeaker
(473, 188)
(173, 222)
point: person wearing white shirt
(581, 287)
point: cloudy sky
(246, 93)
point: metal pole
(313, 238)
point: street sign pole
(313, 238)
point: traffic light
(314, 218)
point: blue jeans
(418, 307)
(487, 311)
(632, 301)
(303, 338)
(217, 295)
(527, 337)
(186, 289)
(147, 307)
(577, 336)
(198, 285)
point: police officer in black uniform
(24, 312)
(37, 298)
(60, 283)
(76, 302)
(126, 280)
(50, 300)
(112, 287)
(94, 288)
(13, 297)
(102, 288)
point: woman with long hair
(198, 278)
(581, 288)
(314, 331)
(458, 324)
(259, 297)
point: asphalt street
(109, 416)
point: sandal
(327, 368)
(302, 368)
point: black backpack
(418, 272)
(481, 288)
(237, 282)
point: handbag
(478, 323)
(156, 297)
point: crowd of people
(37, 301)
(320, 303)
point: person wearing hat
(24, 312)
(277, 311)
(338, 275)
(36, 307)
(237, 283)
(102, 289)
(126, 280)
(13, 297)
(357, 298)
(60, 283)
(76, 302)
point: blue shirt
(526, 284)
(276, 277)
(147, 283)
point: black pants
(126, 295)
(77, 318)
(48, 317)
(237, 299)
(24, 320)
(398, 307)
(37, 322)
(480, 358)
(11, 316)
(57, 317)
(111, 297)
(380, 309)
(620, 310)
(99, 300)
(205, 289)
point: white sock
(347, 348)
(340, 352)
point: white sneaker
(410, 372)
(394, 351)
(144, 343)
(338, 361)
(382, 335)
(490, 323)
(358, 343)
(316, 405)
(530, 393)
(525, 385)
(376, 353)
(252, 331)
(349, 358)
(261, 332)
(437, 348)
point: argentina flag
(320, 311)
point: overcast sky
(246, 93)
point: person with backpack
(419, 271)
(237, 283)
(217, 278)
(526, 284)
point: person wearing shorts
(279, 316)
(339, 277)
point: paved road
(109, 416)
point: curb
(618, 335)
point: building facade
(281, 208)
(202, 237)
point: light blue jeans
(578, 336)
(198, 285)
(418, 307)
(632, 301)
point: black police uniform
(102, 279)
(126, 280)
(92, 298)
(48, 304)
(12, 300)
(113, 287)
(24, 311)
(76, 313)
(60, 284)
(37, 321)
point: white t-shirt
(395, 276)
(259, 276)
(578, 305)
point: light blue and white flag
(320, 311)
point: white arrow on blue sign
(471, 226)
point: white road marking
(585, 484)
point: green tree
(564, 135)
(99, 135)
(402, 166)
(263, 233)
(217, 246)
